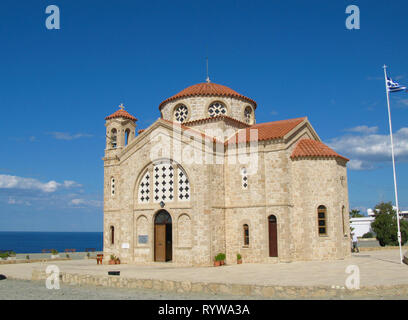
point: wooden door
(273, 237)
(160, 242)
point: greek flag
(394, 86)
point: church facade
(205, 178)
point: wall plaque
(143, 238)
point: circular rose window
(217, 109)
(181, 113)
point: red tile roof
(267, 130)
(121, 114)
(313, 148)
(207, 89)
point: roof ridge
(121, 113)
(207, 89)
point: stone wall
(198, 107)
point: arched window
(164, 182)
(322, 220)
(112, 235)
(113, 138)
(112, 186)
(246, 235)
(127, 136)
(248, 115)
(217, 109)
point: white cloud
(367, 149)
(71, 184)
(359, 165)
(69, 136)
(363, 129)
(87, 203)
(13, 201)
(14, 182)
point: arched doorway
(163, 237)
(273, 236)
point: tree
(355, 214)
(385, 225)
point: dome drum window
(181, 113)
(217, 109)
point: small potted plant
(112, 259)
(222, 258)
(117, 260)
(27, 257)
(239, 258)
(88, 255)
(54, 254)
(217, 260)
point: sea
(35, 242)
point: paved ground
(36, 290)
(376, 268)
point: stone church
(206, 178)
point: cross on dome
(121, 106)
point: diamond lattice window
(183, 186)
(144, 189)
(244, 178)
(217, 109)
(112, 187)
(163, 182)
(181, 113)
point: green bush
(368, 235)
(54, 252)
(220, 257)
(385, 225)
(239, 257)
(4, 255)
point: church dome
(207, 89)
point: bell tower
(120, 131)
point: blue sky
(295, 58)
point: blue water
(35, 242)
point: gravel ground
(36, 290)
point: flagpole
(393, 163)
